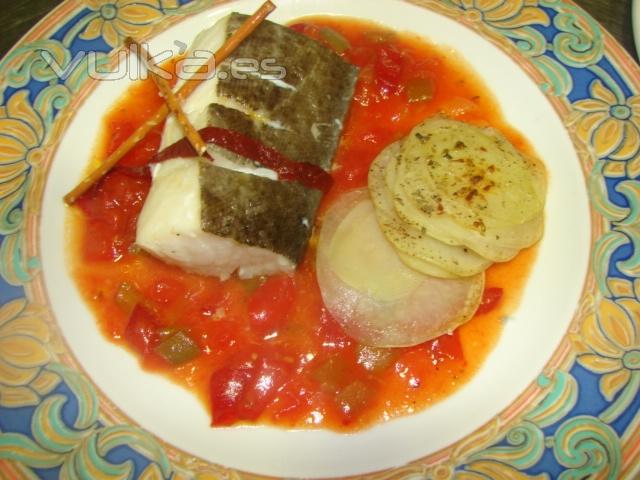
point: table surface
(19, 16)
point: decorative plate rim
(493, 448)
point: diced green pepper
(355, 397)
(127, 296)
(335, 40)
(177, 349)
(420, 89)
(167, 332)
(330, 374)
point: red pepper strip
(307, 174)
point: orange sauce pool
(324, 379)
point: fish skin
(311, 108)
(257, 211)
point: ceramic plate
(557, 396)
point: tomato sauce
(266, 350)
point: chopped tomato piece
(143, 152)
(490, 299)
(141, 332)
(331, 334)
(270, 304)
(269, 376)
(120, 190)
(241, 390)
(111, 209)
(388, 69)
(228, 386)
